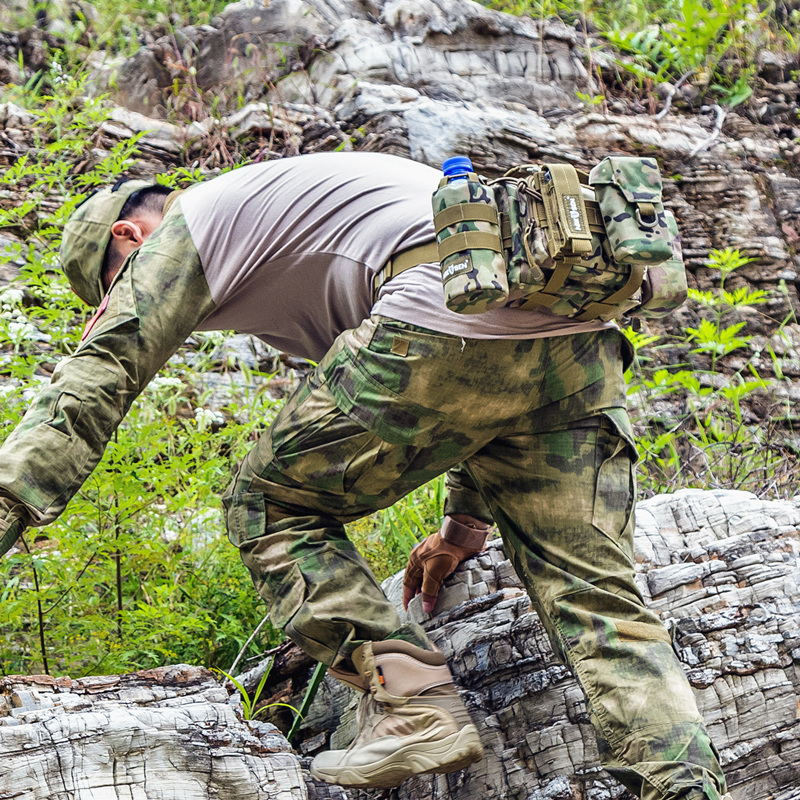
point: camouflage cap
(86, 237)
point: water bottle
(467, 224)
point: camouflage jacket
(155, 302)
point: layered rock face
(161, 734)
(723, 571)
(721, 568)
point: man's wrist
(469, 536)
(10, 531)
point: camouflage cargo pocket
(276, 577)
(369, 386)
(615, 487)
(246, 516)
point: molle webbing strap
(568, 222)
(611, 304)
(505, 231)
(470, 240)
(406, 259)
(464, 212)
(594, 216)
(548, 295)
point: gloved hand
(14, 519)
(434, 558)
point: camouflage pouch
(628, 191)
(524, 276)
(470, 248)
(664, 288)
(583, 281)
(554, 234)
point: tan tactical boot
(411, 720)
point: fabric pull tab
(400, 346)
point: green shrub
(695, 428)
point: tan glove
(434, 558)
(14, 519)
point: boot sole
(452, 753)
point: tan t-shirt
(289, 249)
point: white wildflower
(19, 332)
(57, 72)
(164, 382)
(11, 297)
(205, 418)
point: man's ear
(127, 230)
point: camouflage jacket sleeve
(155, 302)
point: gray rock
(162, 734)
(723, 570)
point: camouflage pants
(541, 428)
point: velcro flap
(638, 179)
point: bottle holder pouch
(467, 223)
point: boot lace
(368, 707)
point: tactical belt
(406, 259)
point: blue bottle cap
(457, 165)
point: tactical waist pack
(596, 246)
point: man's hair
(149, 200)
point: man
(526, 410)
